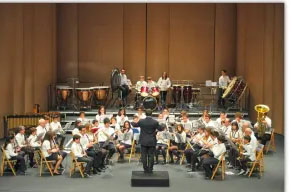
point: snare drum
(84, 94)
(100, 92)
(144, 91)
(155, 91)
(63, 92)
(187, 93)
(177, 91)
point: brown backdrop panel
(67, 41)
(158, 21)
(134, 28)
(100, 41)
(225, 39)
(191, 41)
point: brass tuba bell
(262, 110)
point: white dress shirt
(84, 141)
(56, 127)
(126, 137)
(103, 137)
(249, 151)
(218, 150)
(83, 121)
(121, 120)
(100, 118)
(140, 84)
(226, 130)
(123, 79)
(268, 129)
(20, 140)
(142, 116)
(32, 141)
(164, 84)
(182, 136)
(223, 81)
(76, 148)
(235, 134)
(10, 152)
(162, 137)
(151, 85)
(46, 145)
(41, 131)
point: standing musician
(121, 116)
(178, 143)
(126, 136)
(267, 122)
(164, 84)
(214, 156)
(102, 115)
(55, 126)
(51, 153)
(106, 135)
(14, 153)
(24, 145)
(124, 87)
(148, 141)
(81, 155)
(88, 146)
(248, 155)
(222, 82)
(162, 143)
(41, 129)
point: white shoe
(241, 172)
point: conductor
(148, 141)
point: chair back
(4, 156)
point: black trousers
(30, 152)
(233, 155)
(89, 163)
(20, 164)
(124, 92)
(163, 98)
(147, 157)
(110, 148)
(60, 140)
(207, 163)
(221, 101)
(161, 149)
(243, 163)
(266, 137)
(97, 157)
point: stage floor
(118, 179)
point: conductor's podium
(155, 179)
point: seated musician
(56, 127)
(14, 153)
(166, 114)
(141, 83)
(102, 115)
(222, 117)
(76, 129)
(124, 87)
(83, 118)
(214, 156)
(226, 127)
(247, 155)
(106, 135)
(162, 143)
(56, 146)
(194, 141)
(126, 136)
(95, 126)
(114, 124)
(202, 118)
(254, 141)
(177, 143)
(23, 145)
(267, 122)
(164, 84)
(140, 114)
(41, 128)
(81, 155)
(47, 122)
(51, 153)
(32, 139)
(121, 117)
(240, 121)
(151, 83)
(207, 121)
(236, 136)
(88, 146)
(187, 124)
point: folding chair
(8, 162)
(220, 164)
(168, 152)
(258, 162)
(183, 151)
(132, 150)
(271, 143)
(75, 164)
(44, 162)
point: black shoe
(87, 175)
(99, 170)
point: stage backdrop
(47, 43)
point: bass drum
(235, 91)
(149, 103)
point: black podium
(155, 179)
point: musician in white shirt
(23, 145)
(140, 114)
(226, 127)
(162, 143)
(235, 135)
(102, 115)
(187, 124)
(208, 122)
(249, 154)
(222, 117)
(82, 118)
(32, 139)
(88, 146)
(222, 82)
(106, 135)
(178, 143)
(164, 84)
(125, 136)
(41, 128)
(217, 151)
(81, 155)
(121, 117)
(141, 83)
(76, 129)
(124, 87)
(151, 83)
(13, 153)
(267, 122)
(56, 127)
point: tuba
(262, 110)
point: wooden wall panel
(134, 41)
(225, 39)
(67, 41)
(100, 41)
(191, 41)
(158, 33)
